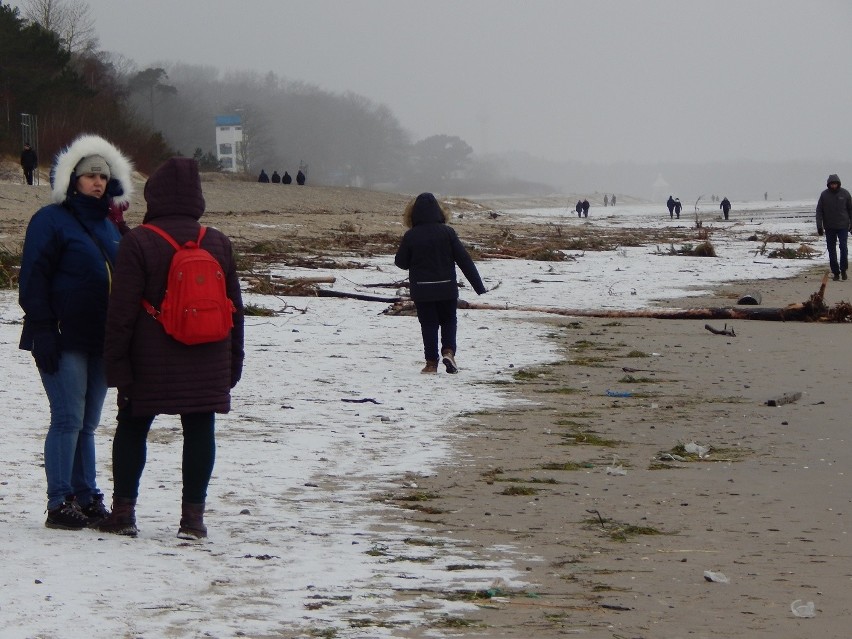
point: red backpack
(196, 308)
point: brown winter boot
(122, 519)
(448, 357)
(431, 366)
(192, 521)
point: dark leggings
(432, 316)
(130, 447)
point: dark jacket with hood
(430, 250)
(834, 208)
(156, 372)
(65, 276)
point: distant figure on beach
(766, 195)
(579, 208)
(263, 177)
(612, 199)
(606, 200)
(286, 179)
(585, 206)
(677, 207)
(725, 206)
(430, 251)
(300, 178)
(833, 218)
(670, 204)
(29, 162)
(276, 179)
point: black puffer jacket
(158, 373)
(430, 250)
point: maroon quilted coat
(158, 373)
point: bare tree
(71, 20)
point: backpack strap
(201, 232)
(162, 234)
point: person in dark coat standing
(585, 206)
(154, 373)
(286, 179)
(300, 178)
(430, 251)
(66, 267)
(834, 219)
(579, 208)
(677, 207)
(670, 204)
(263, 177)
(29, 162)
(276, 179)
(725, 206)
(612, 199)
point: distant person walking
(670, 204)
(430, 251)
(155, 373)
(725, 206)
(579, 208)
(585, 206)
(677, 207)
(612, 199)
(300, 178)
(606, 200)
(29, 162)
(287, 179)
(834, 219)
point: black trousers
(130, 450)
(434, 316)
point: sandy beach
(615, 525)
(588, 483)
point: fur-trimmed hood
(120, 187)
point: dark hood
(174, 189)
(833, 178)
(426, 210)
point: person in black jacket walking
(725, 206)
(29, 162)
(430, 250)
(834, 219)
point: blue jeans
(832, 238)
(76, 394)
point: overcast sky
(600, 80)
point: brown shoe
(431, 366)
(192, 521)
(449, 360)
(122, 519)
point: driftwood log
(813, 310)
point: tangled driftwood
(812, 310)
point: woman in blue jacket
(430, 250)
(66, 271)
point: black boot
(192, 521)
(122, 520)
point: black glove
(46, 351)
